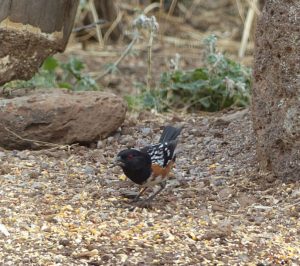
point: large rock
(276, 92)
(60, 117)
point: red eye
(129, 156)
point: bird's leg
(147, 202)
(162, 186)
(137, 197)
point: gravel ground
(66, 207)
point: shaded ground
(66, 207)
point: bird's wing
(161, 153)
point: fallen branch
(39, 143)
(89, 26)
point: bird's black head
(135, 164)
(132, 158)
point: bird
(152, 164)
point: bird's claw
(135, 200)
(144, 204)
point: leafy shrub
(220, 83)
(55, 74)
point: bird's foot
(136, 199)
(144, 204)
(130, 195)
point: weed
(220, 83)
(55, 74)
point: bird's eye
(129, 156)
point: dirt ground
(67, 206)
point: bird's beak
(118, 162)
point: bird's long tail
(169, 133)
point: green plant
(220, 83)
(55, 74)
(145, 99)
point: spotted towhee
(152, 164)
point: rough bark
(30, 31)
(276, 92)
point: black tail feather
(170, 133)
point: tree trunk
(31, 30)
(276, 91)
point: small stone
(146, 131)
(58, 258)
(9, 177)
(44, 166)
(64, 242)
(258, 220)
(225, 193)
(34, 174)
(5, 169)
(295, 194)
(218, 208)
(214, 234)
(87, 254)
(209, 256)
(37, 185)
(219, 182)
(88, 170)
(207, 140)
(245, 200)
(100, 144)
(244, 257)
(51, 218)
(127, 140)
(110, 140)
(251, 219)
(22, 155)
(270, 178)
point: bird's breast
(159, 174)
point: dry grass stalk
(113, 26)
(96, 18)
(247, 29)
(172, 7)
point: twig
(123, 55)
(113, 26)
(151, 7)
(59, 147)
(96, 18)
(89, 26)
(247, 29)
(253, 4)
(149, 61)
(39, 142)
(291, 205)
(172, 7)
(36, 142)
(191, 9)
(240, 9)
